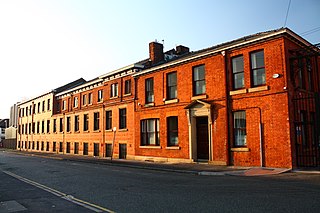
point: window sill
(149, 105)
(173, 147)
(86, 131)
(125, 95)
(77, 132)
(150, 147)
(115, 97)
(240, 149)
(258, 89)
(96, 130)
(236, 92)
(199, 97)
(122, 130)
(108, 130)
(171, 101)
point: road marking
(62, 195)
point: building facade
(248, 102)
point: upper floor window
(61, 125)
(239, 128)
(100, 95)
(90, 98)
(48, 105)
(257, 68)
(27, 110)
(199, 80)
(64, 105)
(58, 106)
(122, 118)
(85, 122)
(48, 126)
(127, 87)
(75, 102)
(149, 90)
(76, 123)
(84, 100)
(43, 106)
(96, 121)
(39, 107)
(114, 90)
(238, 72)
(172, 85)
(54, 125)
(68, 124)
(108, 120)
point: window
(48, 105)
(238, 72)
(96, 120)
(122, 118)
(84, 100)
(76, 148)
(76, 123)
(257, 68)
(199, 81)
(27, 111)
(54, 146)
(43, 106)
(38, 127)
(75, 102)
(47, 146)
(42, 126)
(100, 95)
(95, 149)
(149, 90)
(64, 105)
(61, 125)
(150, 132)
(90, 98)
(39, 107)
(42, 145)
(33, 127)
(48, 126)
(60, 147)
(85, 122)
(58, 106)
(114, 90)
(68, 124)
(171, 85)
(108, 120)
(239, 128)
(127, 87)
(68, 147)
(85, 148)
(54, 125)
(310, 76)
(172, 128)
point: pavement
(196, 168)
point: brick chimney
(182, 50)
(156, 52)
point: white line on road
(62, 195)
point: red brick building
(232, 104)
(248, 102)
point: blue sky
(47, 43)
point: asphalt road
(121, 189)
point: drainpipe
(228, 126)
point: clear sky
(45, 44)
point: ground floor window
(60, 147)
(54, 146)
(76, 148)
(48, 146)
(108, 150)
(37, 145)
(172, 130)
(96, 149)
(68, 147)
(42, 145)
(85, 148)
(150, 132)
(33, 144)
(239, 128)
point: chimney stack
(156, 52)
(182, 50)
